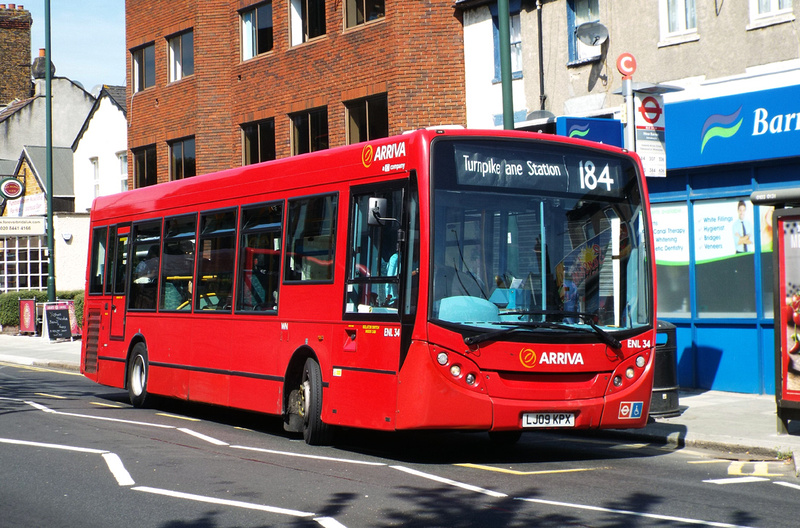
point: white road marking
(329, 522)
(53, 446)
(671, 518)
(117, 469)
(788, 485)
(455, 483)
(223, 502)
(203, 437)
(735, 480)
(314, 457)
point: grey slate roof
(62, 168)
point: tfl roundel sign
(11, 188)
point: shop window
(144, 166)
(724, 243)
(677, 18)
(216, 256)
(257, 31)
(310, 238)
(360, 11)
(181, 56)
(367, 119)
(580, 12)
(177, 259)
(671, 234)
(258, 141)
(307, 20)
(182, 159)
(309, 131)
(515, 36)
(260, 258)
(144, 67)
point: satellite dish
(592, 33)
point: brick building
(222, 83)
(15, 53)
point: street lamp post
(51, 275)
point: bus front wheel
(137, 375)
(315, 431)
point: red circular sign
(626, 64)
(11, 188)
(651, 111)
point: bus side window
(311, 238)
(177, 263)
(98, 262)
(260, 259)
(144, 275)
(216, 254)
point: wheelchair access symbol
(630, 410)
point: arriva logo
(578, 130)
(528, 358)
(383, 152)
(719, 125)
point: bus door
(377, 302)
(119, 240)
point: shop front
(713, 246)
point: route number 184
(590, 179)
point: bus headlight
(442, 358)
(470, 379)
(629, 373)
(455, 370)
(617, 381)
(640, 361)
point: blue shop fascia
(713, 246)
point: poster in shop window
(789, 231)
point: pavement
(743, 426)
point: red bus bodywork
(378, 370)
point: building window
(515, 35)
(309, 131)
(144, 67)
(258, 141)
(367, 119)
(256, 31)
(678, 18)
(580, 12)
(761, 8)
(95, 175)
(181, 159)
(23, 263)
(181, 56)
(144, 167)
(360, 11)
(307, 20)
(123, 170)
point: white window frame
(142, 81)
(580, 52)
(95, 175)
(682, 33)
(778, 11)
(249, 25)
(123, 170)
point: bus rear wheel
(138, 369)
(315, 431)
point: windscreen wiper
(496, 334)
(587, 318)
